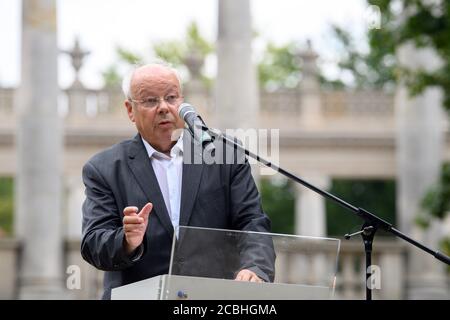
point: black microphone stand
(371, 222)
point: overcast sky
(134, 24)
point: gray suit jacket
(220, 196)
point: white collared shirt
(169, 171)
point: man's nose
(163, 106)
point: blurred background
(359, 90)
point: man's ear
(129, 107)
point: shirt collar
(177, 149)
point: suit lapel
(192, 174)
(142, 169)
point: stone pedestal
(77, 102)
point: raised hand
(135, 225)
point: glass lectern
(204, 264)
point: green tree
(6, 205)
(111, 76)
(372, 70)
(279, 67)
(278, 202)
(172, 51)
(376, 196)
(176, 52)
(426, 25)
(436, 204)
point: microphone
(196, 124)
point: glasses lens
(172, 99)
(151, 102)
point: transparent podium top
(274, 258)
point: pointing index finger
(146, 210)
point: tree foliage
(279, 66)
(112, 76)
(437, 199)
(178, 52)
(6, 205)
(377, 196)
(372, 70)
(278, 202)
(426, 24)
(172, 51)
(436, 204)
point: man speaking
(140, 190)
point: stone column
(310, 220)
(310, 210)
(236, 98)
(236, 92)
(39, 148)
(419, 157)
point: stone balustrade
(9, 249)
(82, 102)
(375, 104)
(389, 255)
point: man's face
(155, 124)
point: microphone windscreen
(184, 109)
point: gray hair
(126, 81)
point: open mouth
(165, 123)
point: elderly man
(140, 190)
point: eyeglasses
(153, 102)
